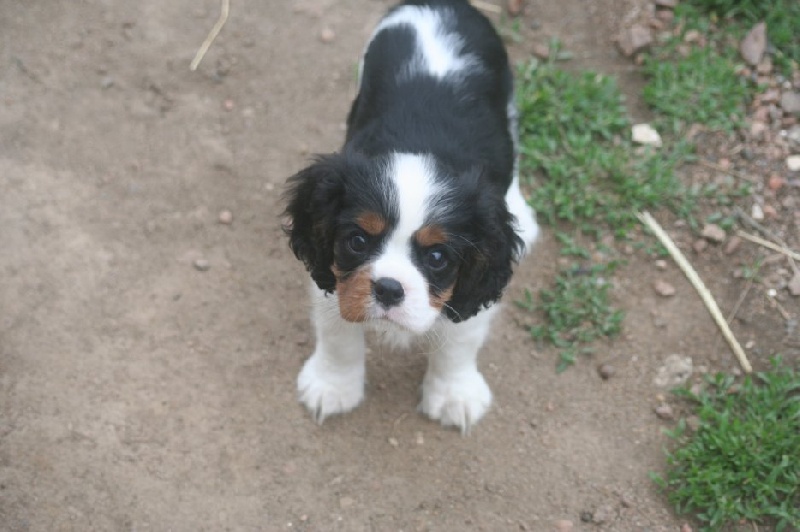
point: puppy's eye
(357, 243)
(436, 260)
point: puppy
(411, 230)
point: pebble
(201, 265)
(563, 525)
(699, 245)
(790, 102)
(754, 44)
(663, 288)
(676, 370)
(645, 134)
(228, 105)
(686, 527)
(661, 264)
(514, 7)
(225, 217)
(757, 212)
(107, 82)
(602, 515)
(693, 422)
(664, 412)
(793, 162)
(541, 51)
(775, 182)
(420, 440)
(606, 371)
(713, 232)
(732, 245)
(327, 35)
(393, 442)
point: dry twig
(694, 278)
(485, 6)
(769, 245)
(223, 16)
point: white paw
(459, 400)
(327, 391)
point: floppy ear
(314, 198)
(488, 261)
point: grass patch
(781, 16)
(743, 461)
(577, 311)
(699, 88)
(575, 134)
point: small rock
(793, 162)
(515, 7)
(663, 288)
(676, 370)
(664, 412)
(686, 527)
(693, 36)
(661, 264)
(775, 182)
(699, 245)
(732, 245)
(645, 134)
(770, 212)
(563, 525)
(790, 102)
(757, 212)
(107, 82)
(225, 217)
(602, 515)
(201, 265)
(606, 371)
(634, 39)
(586, 516)
(714, 233)
(327, 35)
(693, 423)
(393, 442)
(754, 44)
(419, 439)
(228, 105)
(764, 68)
(541, 51)
(794, 284)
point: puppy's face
(397, 241)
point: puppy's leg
(453, 391)
(332, 380)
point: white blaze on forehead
(415, 189)
(438, 49)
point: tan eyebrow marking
(430, 235)
(372, 223)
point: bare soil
(140, 393)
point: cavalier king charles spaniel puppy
(413, 227)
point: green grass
(575, 136)
(743, 461)
(781, 16)
(577, 311)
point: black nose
(388, 292)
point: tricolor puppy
(412, 228)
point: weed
(743, 461)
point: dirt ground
(140, 393)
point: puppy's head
(400, 238)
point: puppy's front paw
(329, 391)
(458, 400)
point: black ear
(313, 200)
(488, 261)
